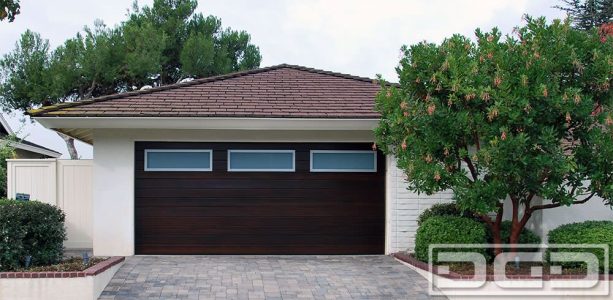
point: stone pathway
(265, 277)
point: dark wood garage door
(221, 212)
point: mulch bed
(72, 264)
(467, 270)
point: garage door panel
(260, 192)
(221, 212)
(247, 210)
(300, 174)
(281, 239)
(257, 183)
(251, 200)
(268, 224)
(200, 249)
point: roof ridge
(58, 106)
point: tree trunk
(496, 238)
(516, 229)
(72, 150)
(515, 232)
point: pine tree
(588, 14)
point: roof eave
(215, 123)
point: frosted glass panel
(260, 160)
(343, 161)
(178, 160)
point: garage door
(259, 198)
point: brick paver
(265, 277)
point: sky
(358, 37)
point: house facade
(277, 160)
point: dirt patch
(72, 264)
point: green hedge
(451, 209)
(449, 230)
(443, 209)
(30, 228)
(589, 232)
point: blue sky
(356, 37)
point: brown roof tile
(279, 91)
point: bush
(443, 209)
(30, 228)
(589, 232)
(449, 230)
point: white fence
(64, 183)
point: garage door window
(343, 161)
(261, 160)
(178, 160)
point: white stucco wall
(594, 209)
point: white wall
(66, 184)
(74, 197)
(75, 288)
(403, 208)
(113, 201)
(36, 177)
(594, 209)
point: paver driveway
(265, 277)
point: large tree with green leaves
(9, 9)
(505, 119)
(588, 14)
(157, 45)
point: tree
(505, 119)
(156, 45)
(588, 14)
(9, 9)
(6, 152)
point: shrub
(30, 228)
(443, 209)
(449, 230)
(589, 232)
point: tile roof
(282, 91)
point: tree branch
(471, 167)
(91, 89)
(500, 213)
(477, 143)
(558, 204)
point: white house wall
(113, 201)
(594, 209)
(403, 208)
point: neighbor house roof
(282, 91)
(6, 130)
(32, 147)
